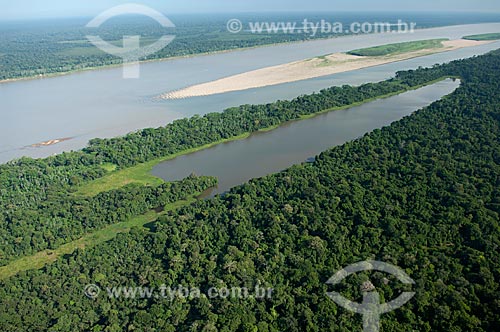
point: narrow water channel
(236, 162)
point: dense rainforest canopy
(39, 211)
(422, 194)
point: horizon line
(86, 16)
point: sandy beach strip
(306, 69)
(50, 142)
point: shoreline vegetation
(118, 65)
(485, 36)
(141, 175)
(163, 59)
(321, 66)
(399, 48)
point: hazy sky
(16, 9)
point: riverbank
(223, 51)
(188, 56)
(308, 69)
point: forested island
(422, 194)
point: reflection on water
(236, 162)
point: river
(100, 103)
(236, 162)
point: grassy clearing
(392, 49)
(40, 259)
(483, 37)
(109, 167)
(140, 174)
(325, 62)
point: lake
(101, 104)
(236, 162)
